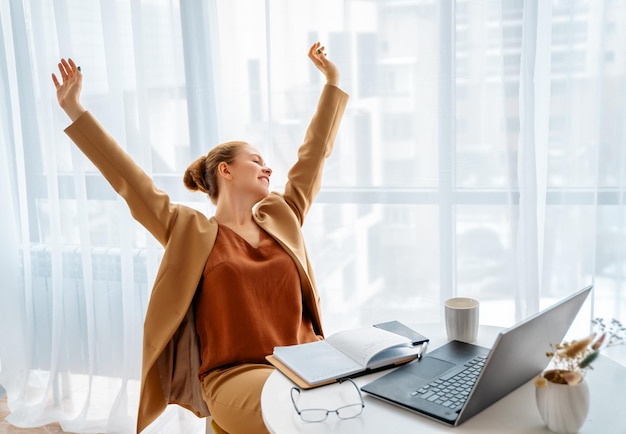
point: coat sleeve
(150, 206)
(305, 177)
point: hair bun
(194, 176)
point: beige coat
(171, 353)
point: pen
(422, 351)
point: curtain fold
(534, 111)
(482, 154)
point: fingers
(313, 48)
(312, 51)
(326, 66)
(63, 69)
(68, 69)
(69, 73)
(317, 51)
(318, 56)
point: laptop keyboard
(452, 389)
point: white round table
(515, 413)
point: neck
(233, 214)
(234, 219)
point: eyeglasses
(320, 414)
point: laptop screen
(519, 353)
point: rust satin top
(249, 301)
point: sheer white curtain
(482, 154)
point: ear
(223, 170)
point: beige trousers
(233, 396)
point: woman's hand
(68, 91)
(328, 68)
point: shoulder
(274, 211)
(187, 214)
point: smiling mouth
(265, 178)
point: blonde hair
(201, 175)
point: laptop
(518, 355)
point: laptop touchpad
(430, 367)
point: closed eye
(258, 160)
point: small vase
(563, 407)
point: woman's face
(250, 174)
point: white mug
(461, 314)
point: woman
(230, 287)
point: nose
(267, 170)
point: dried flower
(570, 360)
(576, 348)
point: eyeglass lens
(319, 415)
